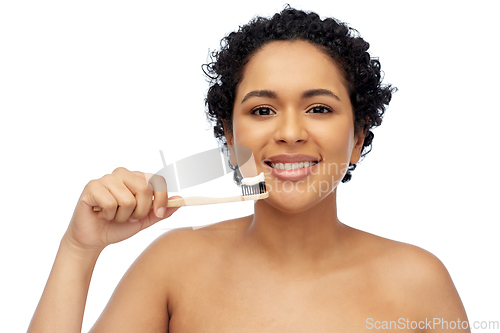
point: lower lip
(292, 175)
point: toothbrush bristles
(254, 189)
(254, 185)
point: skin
(292, 266)
(296, 223)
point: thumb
(151, 218)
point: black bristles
(254, 189)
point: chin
(295, 202)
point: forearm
(62, 304)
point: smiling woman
(307, 111)
(302, 93)
(359, 73)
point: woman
(303, 94)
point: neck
(303, 238)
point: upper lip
(291, 158)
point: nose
(290, 128)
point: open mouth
(291, 166)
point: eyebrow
(260, 93)
(319, 92)
(306, 94)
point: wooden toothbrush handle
(197, 201)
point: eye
(319, 109)
(262, 111)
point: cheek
(249, 134)
(336, 143)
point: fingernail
(132, 220)
(160, 212)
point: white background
(86, 87)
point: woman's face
(292, 101)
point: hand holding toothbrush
(119, 205)
(126, 201)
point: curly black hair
(343, 44)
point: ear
(228, 134)
(359, 139)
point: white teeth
(292, 166)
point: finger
(171, 210)
(123, 196)
(96, 194)
(135, 182)
(152, 218)
(159, 186)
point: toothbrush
(253, 189)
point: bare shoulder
(154, 279)
(189, 251)
(410, 265)
(411, 273)
(401, 258)
(191, 242)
